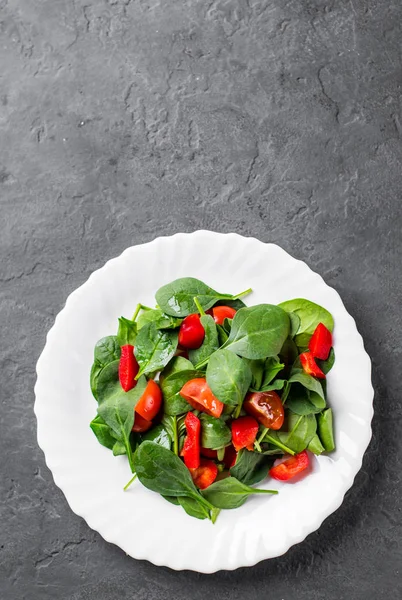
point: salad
(207, 396)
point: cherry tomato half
(266, 407)
(191, 332)
(220, 313)
(140, 424)
(199, 395)
(150, 402)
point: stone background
(122, 120)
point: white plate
(142, 523)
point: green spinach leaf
(251, 467)
(214, 432)
(102, 432)
(159, 435)
(310, 314)
(176, 364)
(258, 331)
(127, 332)
(272, 368)
(297, 432)
(228, 376)
(222, 335)
(158, 317)
(230, 493)
(154, 348)
(106, 351)
(326, 365)
(193, 507)
(315, 445)
(108, 378)
(257, 371)
(307, 381)
(173, 403)
(210, 343)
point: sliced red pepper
(128, 368)
(266, 407)
(291, 467)
(191, 332)
(321, 342)
(205, 474)
(208, 453)
(141, 424)
(230, 457)
(192, 446)
(244, 432)
(310, 366)
(220, 313)
(199, 395)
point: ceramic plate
(142, 523)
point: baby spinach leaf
(159, 435)
(276, 385)
(236, 304)
(119, 448)
(315, 445)
(258, 331)
(161, 471)
(171, 499)
(325, 430)
(106, 351)
(193, 507)
(102, 432)
(251, 467)
(173, 403)
(222, 335)
(298, 401)
(127, 332)
(228, 376)
(288, 353)
(117, 411)
(326, 365)
(210, 343)
(310, 314)
(299, 431)
(231, 493)
(107, 380)
(294, 324)
(257, 372)
(227, 325)
(307, 381)
(214, 432)
(271, 369)
(161, 320)
(177, 298)
(176, 364)
(154, 348)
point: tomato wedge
(141, 424)
(150, 402)
(199, 395)
(290, 467)
(220, 313)
(266, 407)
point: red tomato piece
(208, 453)
(220, 313)
(191, 332)
(199, 395)
(205, 474)
(266, 407)
(321, 342)
(244, 432)
(310, 366)
(150, 402)
(192, 445)
(128, 368)
(141, 424)
(290, 467)
(230, 456)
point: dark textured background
(122, 120)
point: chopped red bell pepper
(321, 342)
(310, 366)
(205, 474)
(208, 453)
(244, 432)
(128, 368)
(230, 457)
(192, 446)
(290, 467)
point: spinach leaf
(162, 321)
(307, 381)
(230, 493)
(271, 369)
(159, 435)
(119, 448)
(176, 364)
(276, 385)
(315, 445)
(193, 507)
(299, 431)
(257, 372)
(214, 432)
(117, 411)
(288, 353)
(236, 304)
(210, 343)
(298, 401)
(127, 332)
(171, 499)
(161, 471)
(326, 365)
(173, 403)
(229, 377)
(251, 467)
(175, 428)
(294, 323)
(310, 314)
(106, 350)
(102, 432)
(154, 348)
(177, 298)
(107, 380)
(325, 429)
(258, 331)
(222, 335)
(227, 325)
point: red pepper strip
(192, 446)
(321, 342)
(205, 474)
(230, 457)
(199, 395)
(208, 453)
(191, 332)
(310, 366)
(290, 467)
(244, 432)
(128, 368)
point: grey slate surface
(123, 120)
